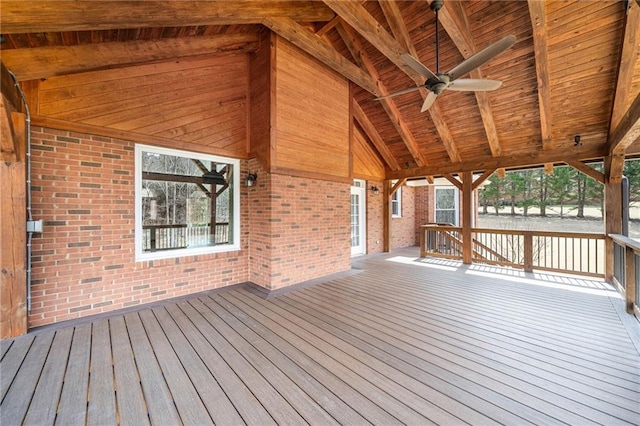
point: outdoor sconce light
(576, 141)
(251, 179)
(375, 190)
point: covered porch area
(397, 339)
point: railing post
(152, 239)
(630, 279)
(528, 251)
(608, 259)
(423, 242)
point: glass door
(358, 220)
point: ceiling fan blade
(483, 56)
(417, 66)
(474, 85)
(429, 100)
(401, 92)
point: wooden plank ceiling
(569, 72)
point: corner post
(467, 215)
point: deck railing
(578, 253)
(626, 270)
(165, 237)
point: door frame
(359, 188)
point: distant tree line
(565, 188)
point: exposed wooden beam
(482, 178)
(8, 87)
(539, 24)
(397, 186)
(454, 181)
(328, 27)
(454, 20)
(627, 131)
(512, 161)
(51, 16)
(295, 33)
(374, 136)
(388, 104)
(354, 14)
(43, 62)
(401, 33)
(626, 68)
(8, 149)
(589, 171)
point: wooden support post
(630, 279)
(612, 216)
(13, 224)
(386, 216)
(528, 251)
(467, 214)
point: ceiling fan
(439, 82)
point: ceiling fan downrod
(436, 5)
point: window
(186, 203)
(396, 203)
(446, 205)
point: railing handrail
(625, 241)
(180, 225)
(595, 235)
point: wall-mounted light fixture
(251, 179)
(576, 141)
(375, 190)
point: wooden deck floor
(400, 341)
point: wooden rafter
(589, 171)
(487, 173)
(539, 24)
(400, 32)
(354, 14)
(454, 20)
(629, 53)
(397, 186)
(328, 26)
(43, 62)
(373, 135)
(454, 181)
(627, 131)
(480, 164)
(52, 16)
(295, 33)
(388, 104)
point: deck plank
(102, 395)
(130, 400)
(295, 396)
(220, 409)
(186, 399)
(43, 407)
(507, 353)
(300, 350)
(11, 364)
(160, 403)
(267, 394)
(239, 394)
(330, 402)
(19, 395)
(541, 388)
(73, 400)
(405, 340)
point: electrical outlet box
(34, 225)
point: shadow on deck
(406, 340)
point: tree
(543, 189)
(560, 185)
(493, 192)
(632, 172)
(528, 191)
(514, 186)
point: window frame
(456, 203)
(396, 200)
(140, 254)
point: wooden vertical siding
(312, 117)
(366, 162)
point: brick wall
(83, 262)
(424, 212)
(375, 219)
(306, 231)
(292, 230)
(403, 228)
